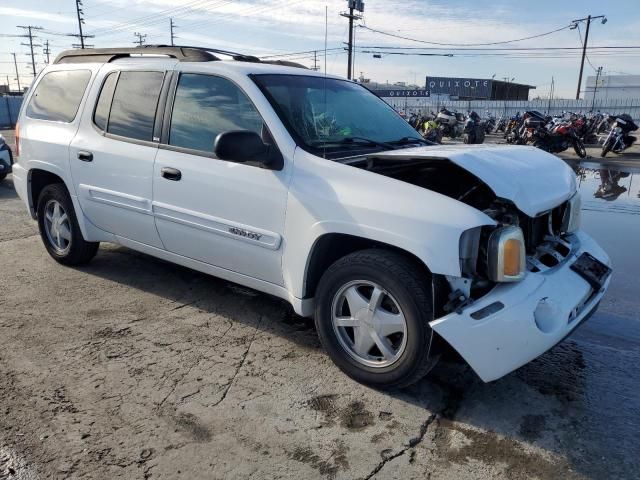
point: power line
(463, 44)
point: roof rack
(180, 53)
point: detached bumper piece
(517, 322)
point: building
(613, 87)
(457, 88)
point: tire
(578, 147)
(466, 138)
(74, 250)
(606, 147)
(405, 286)
(3, 175)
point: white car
(310, 188)
(6, 158)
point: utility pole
(29, 29)
(15, 64)
(357, 6)
(46, 50)
(79, 12)
(141, 38)
(172, 25)
(574, 25)
(550, 96)
(595, 88)
(315, 61)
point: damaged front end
(526, 281)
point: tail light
(17, 140)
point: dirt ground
(134, 368)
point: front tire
(373, 309)
(579, 148)
(606, 148)
(59, 228)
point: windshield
(335, 118)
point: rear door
(112, 155)
(226, 214)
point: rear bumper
(20, 183)
(536, 314)
(5, 162)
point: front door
(112, 160)
(226, 214)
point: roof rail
(180, 53)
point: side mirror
(246, 146)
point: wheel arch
(38, 179)
(330, 247)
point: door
(226, 214)
(112, 160)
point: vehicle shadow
(6, 189)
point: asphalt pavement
(131, 367)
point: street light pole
(584, 44)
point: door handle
(171, 173)
(85, 156)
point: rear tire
(347, 318)
(59, 227)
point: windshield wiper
(410, 141)
(357, 141)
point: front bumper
(536, 314)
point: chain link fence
(499, 108)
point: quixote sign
(402, 93)
(460, 87)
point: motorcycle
(431, 131)
(558, 139)
(451, 123)
(474, 130)
(619, 139)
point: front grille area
(537, 229)
(545, 246)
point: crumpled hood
(534, 180)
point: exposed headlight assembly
(572, 214)
(506, 255)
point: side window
(134, 104)
(206, 106)
(103, 105)
(58, 95)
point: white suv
(310, 188)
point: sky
(281, 27)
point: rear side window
(101, 114)
(58, 95)
(134, 104)
(206, 106)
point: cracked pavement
(134, 368)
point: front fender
(329, 197)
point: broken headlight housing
(506, 260)
(572, 214)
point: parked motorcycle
(474, 129)
(619, 139)
(558, 139)
(431, 131)
(452, 123)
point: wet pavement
(135, 368)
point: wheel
(59, 228)
(466, 138)
(3, 175)
(373, 309)
(578, 146)
(606, 147)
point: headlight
(573, 214)
(506, 255)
